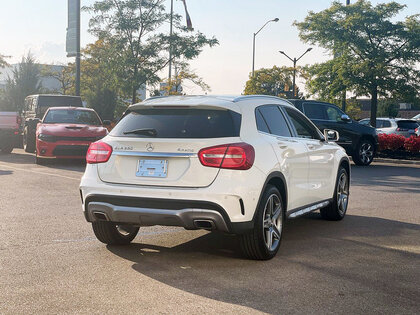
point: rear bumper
(10, 137)
(150, 211)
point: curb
(392, 161)
(395, 161)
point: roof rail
(244, 97)
(155, 97)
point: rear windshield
(71, 116)
(179, 123)
(58, 101)
(407, 124)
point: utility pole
(344, 95)
(78, 50)
(170, 46)
(73, 37)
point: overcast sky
(40, 27)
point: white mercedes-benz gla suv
(240, 165)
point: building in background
(48, 84)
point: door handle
(285, 140)
(282, 145)
(311, 147)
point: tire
(40, 161)
(6, 149)
(268, 224)
(336, 210)
(364, 153)
(112, 234)
(28, 141)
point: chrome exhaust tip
(100, 216)
(204, 224)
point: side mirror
(106, 123)
(331, 135)
(345, 118)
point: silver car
(398, 126)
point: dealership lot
(50, 261)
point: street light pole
(295, 60)
(78, 49)
(170, 43)
(253, 44)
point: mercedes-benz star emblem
(149, 147)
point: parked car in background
(239, 165)
(398, 126)
(67, 132)
(360, 141)
(10, 123)
(34, 109)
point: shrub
(412, 144)
(390, 142)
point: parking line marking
(36, 172)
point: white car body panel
(309, 167)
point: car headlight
(46, 138)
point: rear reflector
(98, 152)
(238, 156)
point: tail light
(98, 152)
(237, 156)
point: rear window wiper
(144, 131)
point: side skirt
(304, 210)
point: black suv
(359, 141)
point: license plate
(152, 168)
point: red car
(67, 132)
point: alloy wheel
(342, 193)
(273, 222)
(366, 153)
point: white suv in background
(237, 165)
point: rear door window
(275, 120)
(315, 111)
(333, 113)
(386, 124)
(379, 123)
(179, 123)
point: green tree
(388, 108)
(25, 80)
(382, 52)
(65, 75)
(131, 27)
(184, 74)
(277, 81)
(327, 81)
(101, 87)
(3, 62)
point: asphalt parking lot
(50, 261)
